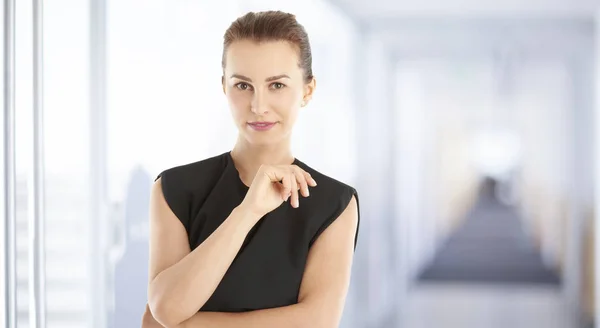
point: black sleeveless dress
(268, 269)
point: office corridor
(487, 275)
(490, 247)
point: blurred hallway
(490, 246)
(487, 274)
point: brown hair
(271, 26)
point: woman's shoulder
(327, 184)
(329, 198)
(191, 175)
(184, 184)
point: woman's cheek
(284, 100)
(238, 101)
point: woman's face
(265, 89)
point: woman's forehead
(262, 60)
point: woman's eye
(277, 85)
(242, 86)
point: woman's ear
(309, 89)
(223, 84)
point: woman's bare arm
(322, 292)
(180, 281)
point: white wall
(375, 83)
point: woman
(253, 237)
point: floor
(487, 275)
(484, 306)
(490, 247)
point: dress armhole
(342, 204)
(175, 196)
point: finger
(287, 187)
(274, 174)
(294, 200)
(301, 180)
(279, 176)
(309, 179)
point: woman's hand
(274, 184)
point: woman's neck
(248, 158)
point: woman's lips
(261, 126)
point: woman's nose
(259, 104)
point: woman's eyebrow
(247, 79)
(276, 77)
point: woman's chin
(262, 139)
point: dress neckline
(237, 173)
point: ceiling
(473, 27)
(369, 10)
